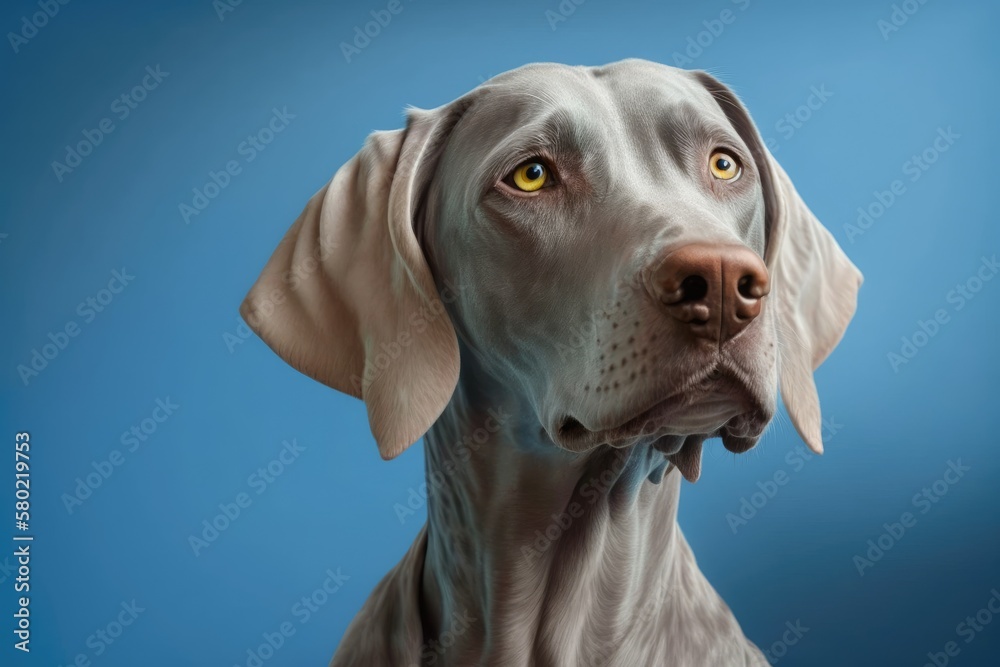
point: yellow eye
(724, 166)
(530, 176)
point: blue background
(892, 431)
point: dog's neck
(539, 556)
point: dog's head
(614, 244)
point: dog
(567, 280)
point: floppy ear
(814, 284)
(348, 298)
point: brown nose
(715, 290)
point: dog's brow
(558, 132)
(686, 132)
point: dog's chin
(679, 425)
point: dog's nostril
(693, 288)
(749, 288)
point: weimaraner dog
(568, 279)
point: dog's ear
(814, 284)
(348, 297)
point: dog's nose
(716, 290)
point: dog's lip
(740, 425)
(742, 432)
(571, 431)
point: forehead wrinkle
(678, 130)
(664, 111)
(536, 106)
(686, 132)
(629, 115)
(537, 89)
(561, 132)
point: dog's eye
(530, 176)
(724, 166)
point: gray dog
(568, 279)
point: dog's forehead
(617, 91)
(588, 110)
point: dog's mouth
(716, 406)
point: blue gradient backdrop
(169, 333)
